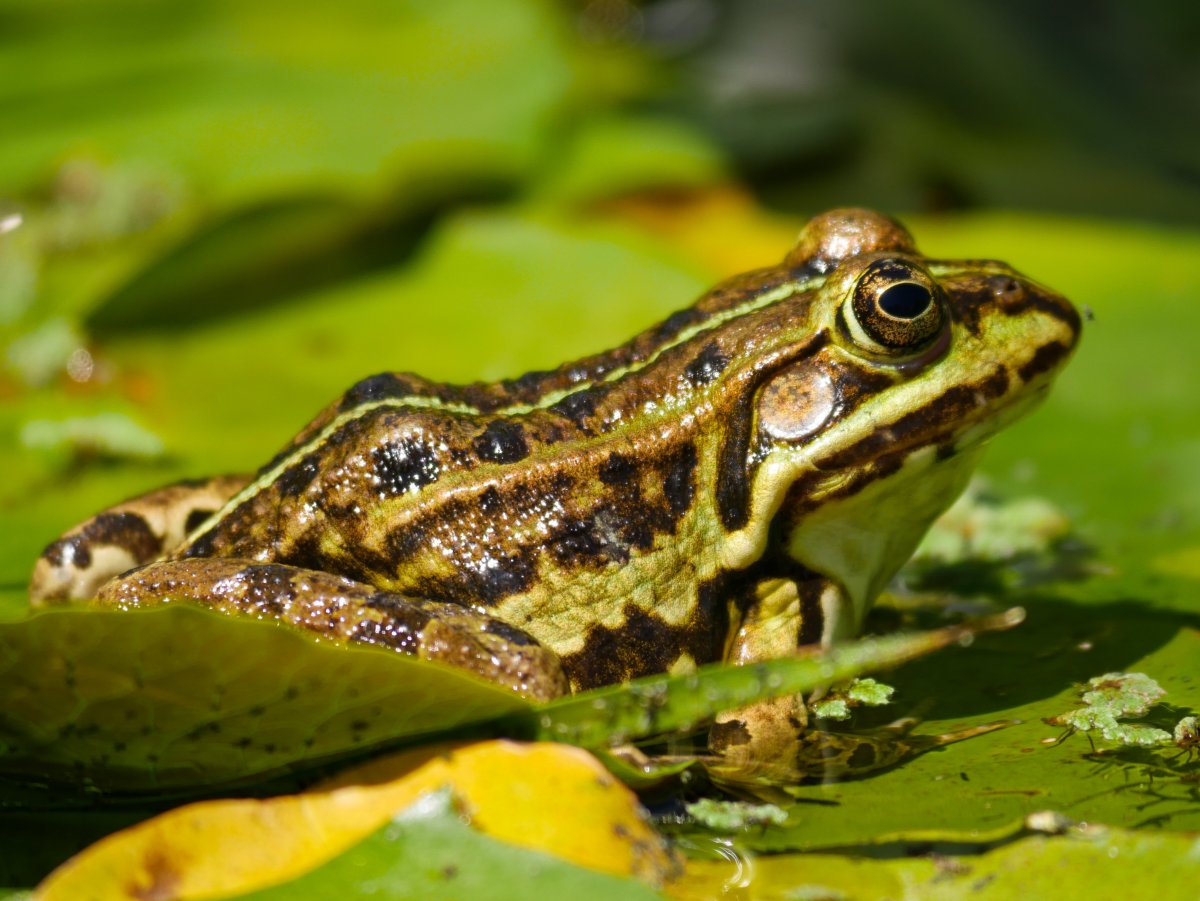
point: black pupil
(905, 300)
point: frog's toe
(126, 535)
(78, 563)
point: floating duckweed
(837, 704)
(1110, 697)
(1124, 694)
(870, 692)
(731, 816)
(831, 709)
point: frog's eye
(894, 307)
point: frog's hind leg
(344, 610)
(129, 534)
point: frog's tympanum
(736, 482)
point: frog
(736, 483)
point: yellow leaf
(513, 792)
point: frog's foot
(341, 609)
(820, 756)
(133, 532)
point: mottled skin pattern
(734, 483)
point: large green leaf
(176, 699)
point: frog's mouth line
(996, 418)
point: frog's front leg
(341, 609)
(774, 741)
(129, 534)
(772, 625)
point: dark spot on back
(489, 500)
(404, 465)
(474, 585)
(511, 575)
(580, 406)
(195, 518)
(677, 322)
(707, 365)
(502, 442)
(529, 384)
(293, 480)
(382, 386)
(305, 552)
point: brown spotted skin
(705, 491)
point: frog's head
(873, 433)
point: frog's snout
(1017, 296)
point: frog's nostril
(1007, 290)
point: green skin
(739, 481)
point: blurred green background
(230, 210)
